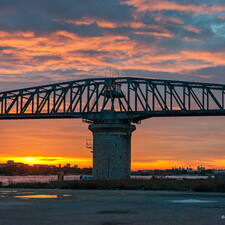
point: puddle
(41, 196)
(114, 212)
(192, 201)
(2, 191)
(3, 196)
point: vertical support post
(165, 96)
(223, 99)
(207, 94)
(54, 99)
(184, 97)
(146, 97)
(38, 100)
(189, 98)
(17, 105)
(5, 104)
(171, 98)
(111, 149)
(128, 96)
(203, 98)
(80, 98)
(71, 97)
(88, 96)
(32, 102)
(153, 97)
(48, 106)
(136, 97)
(64, 100)
(97, 97)
(21, 101)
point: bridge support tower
(111, 149)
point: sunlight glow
(31, 160)
(136, 165)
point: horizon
(86, 163)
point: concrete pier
(111, 149)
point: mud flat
(110, 207)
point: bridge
(112, 106)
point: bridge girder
(127, 98)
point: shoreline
(195, 185)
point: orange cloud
(189, 39)
(67, 46)
(222, 17)
(164, 19)
(182, 61)
(193, 29)
(63, 50)
(88, 21)
(168, 35)
(159, 5)
(112, 25)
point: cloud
(111, 24)
(64, 40)
(162, 19)
(218, 29)
(164, 5)
(193, 29)
(63, 51)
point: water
(176, 177)
(6, 180)
(192, 201)
(41, 196)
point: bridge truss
(126, 98)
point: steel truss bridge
(126, 98)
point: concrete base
(111, 149)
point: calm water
(42, 196)
(34, 179)
(46, 179)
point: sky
(50, 41)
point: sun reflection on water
(41, 196)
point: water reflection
(7, 191)
(41, 196)
(192, 201)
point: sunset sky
(54, 40)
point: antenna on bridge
(108, 72)
(89, 144)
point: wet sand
(104, 207)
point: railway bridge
(112, 107)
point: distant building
(189, 170)
(3, 165)
(10, 162)
(44, 166)
(200, 169)
(219, 171)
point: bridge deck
(126, 98)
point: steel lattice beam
(124, 98)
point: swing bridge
(112, 106)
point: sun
(31, 160)
(43, 160)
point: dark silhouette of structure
(112, 106)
